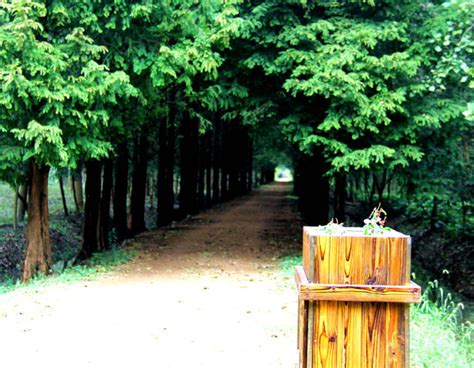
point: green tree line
(197, 101)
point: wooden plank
(361, 293)
(311, 340)
(311, 307)
(354, 356)
(303, 332)
(356, 293)
(373, 334)
(325, 352)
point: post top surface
(355, 232)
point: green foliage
(55, 91)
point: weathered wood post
(354, 292)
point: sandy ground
(203, 293)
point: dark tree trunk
(120, 192)
(201, 172)
(137, 200)
(209, 168)
(217, 153)
(380, 184)
(166, 168)
(340, 197)
(104, 218)
(224, 163)
(434, 214)
(76, 185)
(23, 204)
(63, 196)
(250, 166)
(313, 189)
(90, 231)
(233, 156)
(189, 165)
(38, 243)
(15, 209)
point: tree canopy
(202, 99)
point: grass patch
(287, 269)
(7, 195)
(439, 337)
(99, 263)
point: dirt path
(203, 293)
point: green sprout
(375, 224)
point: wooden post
(354, 292)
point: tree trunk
(380, 184)
(313, 188)
(340, 197)
(217, 153)
(90, 232)
(189, 165)
(201, 173)
(38, 243)
(434, 214)
(76, 184)
(15, 209)
(232, 160)
(23, 204)
(165, 180)
(137, 200)
(208, 168)
(224, 163)
(120, 192)
(104, 217)
(250, 166)
(63, 196)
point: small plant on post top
(375, 224)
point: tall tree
(46, 115)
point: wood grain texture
(359, 293)
(357, 288)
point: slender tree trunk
(217, 153)
(23, 204)
(137, 201)
(15, 209)
(76, 184)
(250, 166)
(201, 173)
(209, 159)
(38, 243)
(63, 196)
(189, 165)
(104, 217)
(434, 214)
(340, 197)
(120, 192)
(232, 157)
(90, 232)
(224, 163)
(166, 168)
(380, 184)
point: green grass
(439, 338)
(98, 264)
(6, 203)
(7, 195)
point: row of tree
(360, 96)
